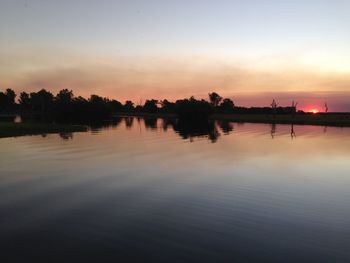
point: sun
(314, 111)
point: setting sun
(314, 111)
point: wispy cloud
(140, 77)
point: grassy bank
(329, 119)
(10, 129)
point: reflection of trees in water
(66, 135)
(191, 129)
(151, 123)
(226, 126)
(273, 130)
(116, 122)
(292, 132)
(96, 127)
(166, 123)
(187, 130)
(129, 122)
(214, 133)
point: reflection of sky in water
(130, 187)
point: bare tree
(274, 105)
(294, 108)
(214, 99)
(325, 107)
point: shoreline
(323, 119)
(11, 129)
(145, 115)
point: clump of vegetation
(7, 101)
(66, 107)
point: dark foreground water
(161, 191)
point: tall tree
(227, 105)
(42, 101)
(151, 106)
(7, 100)
(128, 106)
(11, 95)
(214, 99)
(65, 96)
(24, 101)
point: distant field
(10, 129)
(331, 119)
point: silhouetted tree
(41, 101)
(24, 102)
(11, 95)
(150, 106)
(64, 97)
(227, 106)
(63, 105)
(99, 108)
(7, 100)
(3, 101)
(214, 99)
(167, 106)
(193, 109)
(128, 106)
(81, 109)
(116, 106)
(138, 108)
(274, 105)
(294, 108)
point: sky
(250, 51)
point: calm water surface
(153, 190)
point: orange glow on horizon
(314, 111)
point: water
(164, 192)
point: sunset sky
(250, 51)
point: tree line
(65, 106)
